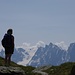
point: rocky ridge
(11, 70)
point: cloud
(62, 45)
(28, 46)
(40, 44)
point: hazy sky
(38, 20)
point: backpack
(3, 42)
(7, 41)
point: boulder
(11, 70)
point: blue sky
(38, 20)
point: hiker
(8, 44)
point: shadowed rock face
(11, 71)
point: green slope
(63, 69)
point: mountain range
(48, 55)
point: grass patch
(63, 69)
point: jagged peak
(72, 44)
(50, 44)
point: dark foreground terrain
(67, 68)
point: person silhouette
(8, 46)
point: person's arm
(13, 41)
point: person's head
(9, 31)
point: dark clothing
(9, 50)
(9, 44)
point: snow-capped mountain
(50, 54)
(42, 54)
(71, 52)
(53, 55)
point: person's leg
(9, 59)
(6, 59)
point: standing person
(8, 44)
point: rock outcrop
(40, 70)
(11, 70)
